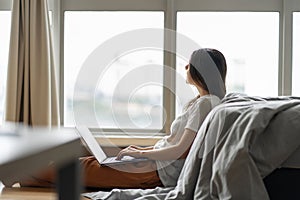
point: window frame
(5, 5)
(102, 5)
(170, 9)
(292, 6)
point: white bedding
(241, 141)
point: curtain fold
(31, 96)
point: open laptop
(97, 151)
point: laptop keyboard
(110, 159)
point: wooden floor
(28, 193)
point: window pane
(5, 20)
(86, 31)
(296, 50)
(248, 40)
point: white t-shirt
(192, 118)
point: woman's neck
(202, 92)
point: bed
(247, 148)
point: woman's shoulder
(208, 99)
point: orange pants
(133, 175)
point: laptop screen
(91, 143)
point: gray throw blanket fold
(240, 142)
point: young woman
(206, 71)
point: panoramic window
(249, 41)
(121, 98)
(5, 20)
(296, 50)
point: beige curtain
(31, 88)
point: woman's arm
(140, 148)
(180, 150)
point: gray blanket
(241, 141)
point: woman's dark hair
(220, 63)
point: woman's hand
(173, 152)
(132, 150)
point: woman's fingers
(121, 154)
(129, 151)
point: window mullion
(169, 62)
(285, 50)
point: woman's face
(189, 79)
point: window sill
(118, 140)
